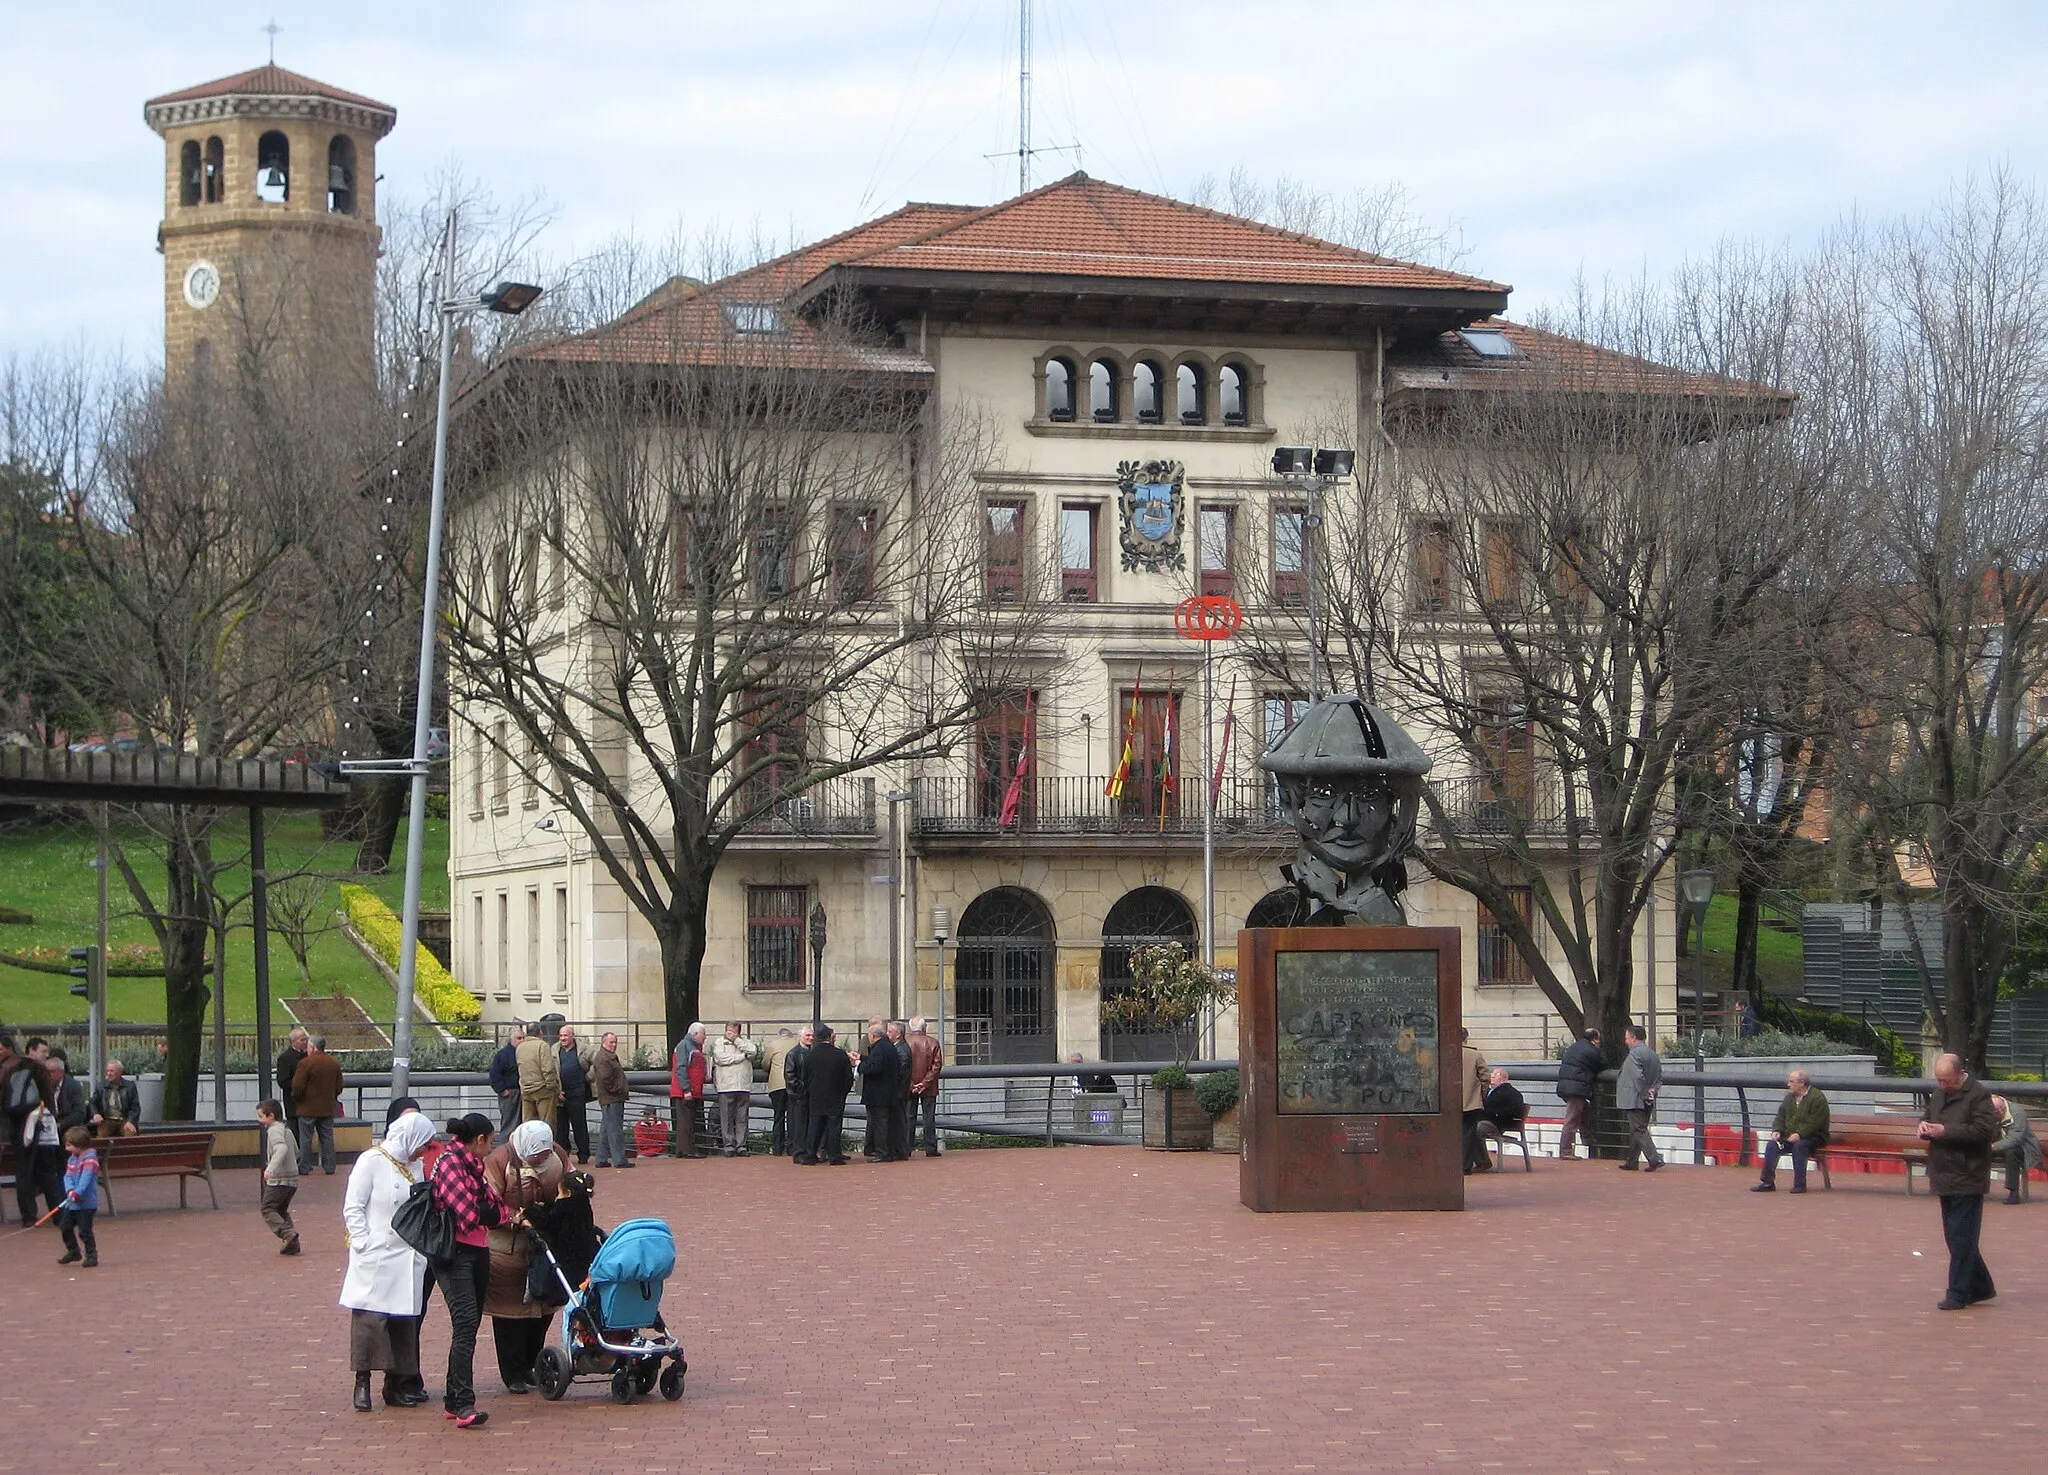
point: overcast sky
(1561, 136)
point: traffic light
(85, 964)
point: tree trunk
(382, 809)
(682, 955)
(1749, 893)
(186, 996)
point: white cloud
(1598, 135)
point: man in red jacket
(687, 1068)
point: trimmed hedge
(436, 986)
(1894, 1056)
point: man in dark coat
(505, 1079)
(796, 1080)
(316, 1090)
(1959, 1128)
(899, 1109)
(881, 1077)
(287, 1064)
(828, 1076)
(1578, 1073)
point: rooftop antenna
(1024, 148)
(272, 29)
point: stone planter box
(1223, 1133)
(1175, 1121)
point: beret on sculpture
(1346, 737)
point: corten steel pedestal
(1346, 1030)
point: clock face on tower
(202, 284)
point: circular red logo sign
(1208, 617)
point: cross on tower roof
(271, 30)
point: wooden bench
(147, 1154)
(1872, 1139)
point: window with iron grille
(775, 553)
(1500, 961)
(852, 542)
(776, 934)
(1431, 590)
(1077, 553)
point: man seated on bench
(1503, 1104)
(2017, 1146)
(116, 1107)
(1800, 1128)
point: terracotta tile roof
(268, 81)
(1080, 226)
(686, 324)
(1448, 363)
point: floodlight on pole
(506, 297)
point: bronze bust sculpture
(1350, 783)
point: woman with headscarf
(463, 1189)
(526, 1172)
(383, 1286)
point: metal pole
(1208, 803)
(96, 1012)
(259, 907)
(1699, 1053)
(1311, 523)
(943, 1043)
(423, 715)
(220, 1021)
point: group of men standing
(547, 1076)
(809, 1077)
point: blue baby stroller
(611, 1325)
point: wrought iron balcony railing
(838, 806)
(1532, 806)
(1077, 805)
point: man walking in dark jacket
(881, 1072)
(287, 1064)
(1959, 1128)
(1578, 1074)
(828, 1076)
(796, 1080)
(505, 1079)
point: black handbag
(428, 1229)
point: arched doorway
(1003, 979)
(1280, 908)
(1148, 915)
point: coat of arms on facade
(1149, 499)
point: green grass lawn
(1779, 955)
(48, 873)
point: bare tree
(1946, 319)
(299, 911)
(1383, 221)
(728, 558)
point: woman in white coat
(383, 1289)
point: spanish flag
(1115, 787)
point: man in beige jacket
(1474, 1073)
(540, 1079)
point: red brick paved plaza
(1090, 1308)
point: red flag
(1169, 721)
(1223, 748)
(1013, 797)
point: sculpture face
(1344, 825)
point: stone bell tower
(270, 234)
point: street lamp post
(817, 965)
(1312, 469)
(1696, 890)
(505, 297)
(942, 928)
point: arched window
(1102, 390)
(1187, 380)
(1059, 389)
(190, 176)
(1146, 390)
(1233, 381)
(273, 167)
(216, 166)
(1003, 979)
(1281, 908)
(341, 175)
(1142, 917)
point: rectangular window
(1078, 544)
(562, 940)
(530, 793)
(1281, 711)
(773, 756)
(1568, 582)
(501, 768)
(853, 545)
(1290, 576)
(1003, 739)
(775, 553)
(479, 945)
(1500, 548)
(1218, 537)
(503, 977)
(1431, 590)
(1003, 552)
(533, 949)
(476, 775)
(557, 558)
(682, 535)
(1500, 961)
(529, 571)
(501, 580)
(1508, 751)
(1151, 776)
(776, 935)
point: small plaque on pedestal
(1350, 1059)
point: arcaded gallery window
(1236, 394)
(1102, 377)
(1147, 392)
(1059, 389)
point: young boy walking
(81, 1198)
(280, 1174)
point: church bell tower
(270, 234)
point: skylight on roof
(753, 317)
(1489, 343)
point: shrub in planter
(1217, 1091)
